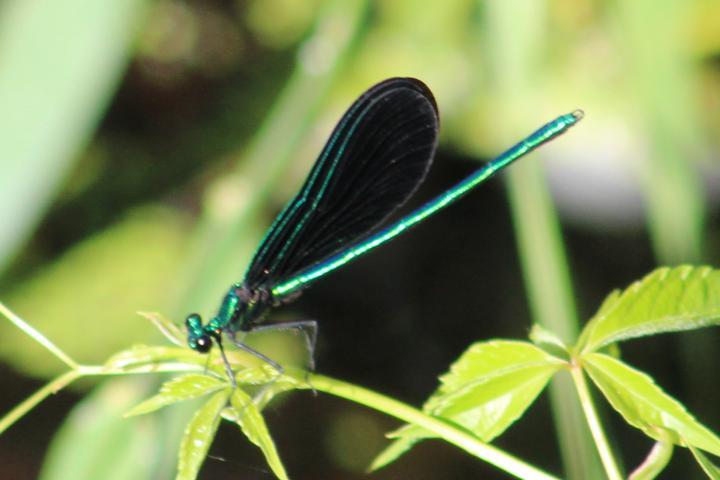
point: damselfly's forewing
(374, 160)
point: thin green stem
(443, 429)
(439, 427)
(85, 371)
(38, 337)
(169, 329)
(169, 367)
(606, 455)
(29, 403)
(655, 462)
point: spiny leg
(309, 330)
(278, 368)
(239, 343)
(207, 365)
(228, 368)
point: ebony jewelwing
(373, 162)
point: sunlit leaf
(152, 355)
(486, 390)
(488, 407)
(167, 327)
(540, 336)
(710, 469)
(398, 447)
(486, 361)
(667, 300)
(265, 374)
(609, 303)
(252, 423)
(645, 406)
(185, 387)
(257, 375)
(199, 435)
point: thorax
(241, 308)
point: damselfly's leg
(278, 368)
(309, 330)
(257, 399)
(228, 368)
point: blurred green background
(145, 146)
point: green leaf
(167, 327)
(199, 435)
(393, 451)
(645, 406)
(540, 336)
(486, 390)
(712, 471)
(262, 374)
(609, 303)
(252, 423)
(509, 364)
(142, 355)
(143, 358)
(489, 406)
(185, 387)
(666, 300)
(265, 374)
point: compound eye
(203, 344)
(193, 321)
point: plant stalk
(655, 463)
(29, 403)
(441, 428)
(38, 337)
(606, 455)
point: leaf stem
(166, 367)
(29, 403)
(655, 462)
(443, 429)
(606, 455)
(38, 337)
(79, 371)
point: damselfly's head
(198, 339)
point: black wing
(374, 160)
